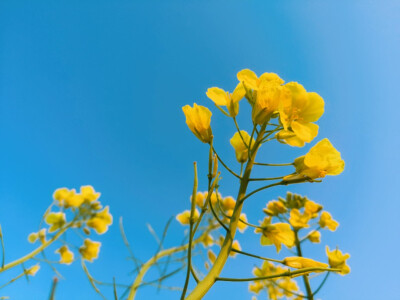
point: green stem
(305, 277)
(204, 285)
(36, 251)
(257, 256)
(238, 130)
(273, 165)
(226, 167)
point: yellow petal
(305, 131)
(249, 78)
(218, 96)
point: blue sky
(91, 93)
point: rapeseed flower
(230, 100)
(90, 250)
(100, 221)
(198, 119)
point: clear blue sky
(91, 93)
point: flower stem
(310, 295)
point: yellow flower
(100, 221)
(211, 256)
(88, 193)
(200, 197)
(242, 226)
(312, 208)
(326, 221)
(298, 220)
(214, 197)
(241, 150)
(231, 101)
(34, 236)
(251, 80)
(228, 203)
(32, 270)
(207, 240)
(337, 260)
(61, 194)
(90, 249)
(275, 208)
(198, 119)
(74, 199)
(314, 237)
(184, 217)
(322, 159)
(256, 286)
(297, 113)
(276, 234)
(67, 256)
(235, 245)
(56, 220)
(298, 262)
(288, 286)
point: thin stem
(265, 179)
(3, 250)
(309, 234)
(196, 278)
(191, 223)
(217, 218)
(288, 273)
(321, 285)
(36, 251)
(238, 130)
(260, 189)
(53, 289)
(305, 277)
(257, 256)
(226, 167)
(273, 165)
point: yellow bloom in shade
(100, 221)
(198, 119)
(299, 220)
(275, 234)
(337, 260)
(256, 286)
(298, 262)
(228, 203)
(253, 82)
(32, 270)
(207, 240)
(184, 218)
(297, 114)
(241, 149)
(211, 256)
(322, 159)
(275, 208)
(90, 249)
(231, 101)
(56, 220)
(314, 237)
(312, 208)
(327, 221)
(235, 245)
(88, 193)
(67, 256)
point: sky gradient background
(91, 93)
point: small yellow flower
(322, 159)
(184, 217)
(198, 119)
(100, 221)
(298, 262)
(235, 245)
(207, 240)
(74, 199)
(297, 113)
(88, 193)
(275, 208)
(56, 220)
(67, 256)
(327, 221)
(314, 237)
(32, 270)
(253, 82)
(34, 236)
(256, 286)
(242, 226)
(228, 203)
(337, 260)
(241, 149)
(231, 101)
(214, 197)
(276, 234)
(200, 198)
(211, 256)
(299, 220)
(90, 249)
(61, 194)
(288, 286)
(312, 208)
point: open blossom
(299, 220)
(337, 260)
(67, 256)
(198, 119)
(100, 221)
(275, 234)
(251, 81)
(275, 208)
(326, 221)
(184, 217)
(230, 100)
(228, 203)
(241, 148)
(297, 114)
(322, 159)
(56, 220)
(314, 237)
(312, 208)
(90, 250)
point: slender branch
(3, 250)
(273, 165)
(288, 273)
(53, 289)
(196, 278)
(309, 234)
(265, 179)
(321, 285)
(238, 130)
(257, 256)
(260, 189)
(92, 282)
(217, 218)
(191, 223)
(222, 110)
(305, 277)
(226, 167)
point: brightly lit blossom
(198, 119)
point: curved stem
(257, 256)
(273, 165)
(226, 167)
(265, 179)
(305, 277)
